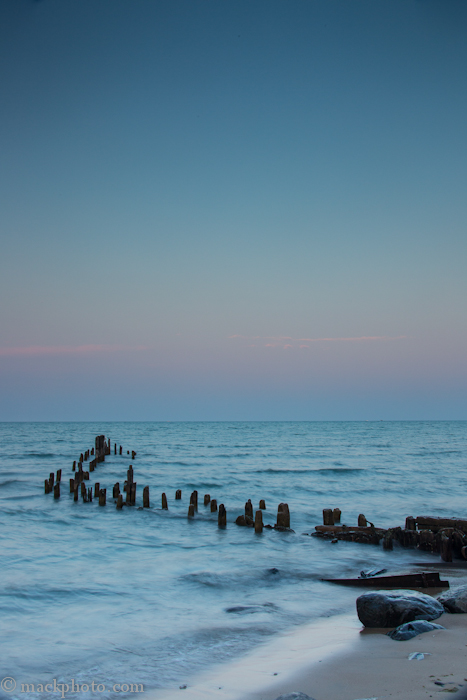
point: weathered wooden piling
(445, 548)
(337, 515)
(129, 485)
(92, 451)
(283, 515)
(46, 486)
(81, 458)
(86, 476)
(207, 499)
(59, 475)
(164, 502)
(76, 492)
(259, 521)
(178, 495)
(115, 448)
(121, 449)
(92, 465)
(100, 448)
(146, 497)
(90, 494)
(249, 509)
(427, 540)
(102, 497)
(97, 488)
(191, 511)
(194, 500)
(328, 516)
(116, 490)
(133, 493)
(84, 495)
(262, 504)
(74, 466)
(222, 516)
(83, 488)
(362, 521)
(213, 505)
(133, 454)
(410, 523)
(72, 485)
(388, 540)
(120, 502)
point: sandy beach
(337, 659)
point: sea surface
(150, 597)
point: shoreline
(335, 658)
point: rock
(455, 600)
(393, 608)
(294, 696)
(411, 629)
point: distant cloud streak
(34, 350)
(286, 341)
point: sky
(233, 210)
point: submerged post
(178, 495)
(120, 502)
(249, 509)
(328, 516)
(222, 516)
(262, 504)
(259, 521)
(191, 511)
(213, 505)
(337, 515)
(102, 497)
(283, 515)
(207, 498)
(146, 497)
(96, 489)
(164, 502)
(362, 521)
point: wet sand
(337, 659)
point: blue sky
(233, 210)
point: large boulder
(412, 629)
(455, 600)
(393, 608)
(294, 696)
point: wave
(312, 470)
(252, 609)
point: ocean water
(149, 597)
